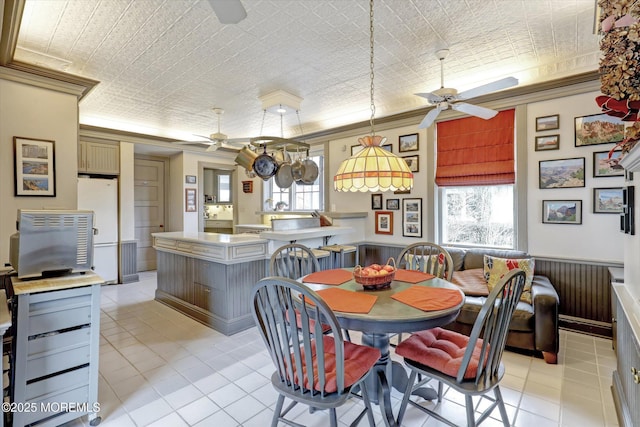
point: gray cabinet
(98, 158)
(56, 355)
(626, 377)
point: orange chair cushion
(358, 360)
(440, 349)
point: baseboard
(585, 326)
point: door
(149, 209)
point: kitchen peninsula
(209, 276)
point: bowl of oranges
(375, 276)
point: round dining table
(389, 316)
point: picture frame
(190, 200)
(561, 173)
(376, 201)
(34, 165)
(355, 149)
(605, 166)
(412, 217)
(393, 204)
(627, 222)
(412, 162)
(384, 222)
(608, 200)
(562, 211)
(190, 179)
(548, 122)
(597, 129)
(547, 142)
(408, 142)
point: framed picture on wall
(393, 204)
(412, 162)
(376, 201)
(412, 217)
(561, 173)
(547, 142)
(562, 211)
(598, 129)
(408, 142)
(384, 222)
(604, 166)
(547, 122)
(190, 200)
(190, 179)
(608, 200)
(34, 167)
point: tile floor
(160, 368)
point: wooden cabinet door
(102, 158)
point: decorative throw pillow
(434, 264)
(495, 268)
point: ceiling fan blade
(474, 110)
(429, 118)
(213, 147)
(431, 97)
(228, 11)
(488, 88)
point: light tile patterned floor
(161, 368)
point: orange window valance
(474, 151)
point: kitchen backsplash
(218, 211)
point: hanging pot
(297, 170)
(284, 177)
(246, 158)
(265, 166)
(281, 156)
(310, 171)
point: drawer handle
(636, 379)
(634, 371)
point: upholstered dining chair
(427, 257)
(470, 365)
(294, 261)
(318, 370)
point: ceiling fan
(219, 139)
(445, 98)
(228, 11)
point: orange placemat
(347, 301)
(412, 276)
(429, 299)
(329, 277)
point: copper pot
(245, 158)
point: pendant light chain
(371, 73)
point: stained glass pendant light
(373, 168)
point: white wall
(597, 238)
(33, 112)
(127, 189)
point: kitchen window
(478, 215)
(298, 197)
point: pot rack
(277, 142)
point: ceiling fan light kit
(373, 168)
(444, 98)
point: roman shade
(474, 151)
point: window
(298, 197)
(478, 215)
(476, 175)
(224, 188)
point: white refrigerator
(101, 196)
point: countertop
(68, 281)
(305, 233)
(218, 239)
